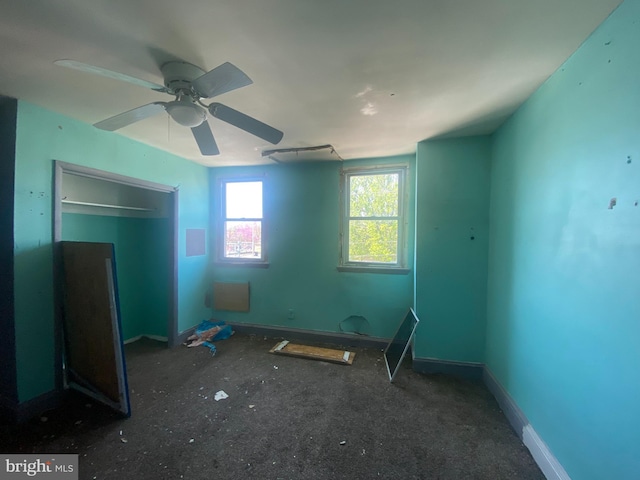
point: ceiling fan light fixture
(186, 114)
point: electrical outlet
(291, 315)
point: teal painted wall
(43, 136)
(302, 212)
(452, 206)
(564, 269)
(142, 263)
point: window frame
(222, 219)
(400, 266)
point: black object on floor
(284, 418)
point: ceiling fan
(189, 84)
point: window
(373, 218)
(241, 232)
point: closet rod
(103, 205)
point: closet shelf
(104, 205)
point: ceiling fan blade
(84, 67)
(245, 122)
(221, 79)
(204, 139)
(132, 116)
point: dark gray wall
(8, 385)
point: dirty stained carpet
(284, 418)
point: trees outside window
(373, 223)
(241, 221)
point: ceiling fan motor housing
(179, 75)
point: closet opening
(139, 219)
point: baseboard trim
(548, 463)
(22, 412)
(299, 334)
(182, 336)
(152, 337)
(39, 404)
(516, 417)
(540, 452)
(466, 370)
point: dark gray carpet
(285, 418)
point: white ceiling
(370, 77)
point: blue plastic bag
(201, 333)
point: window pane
(373, 195)
(243, 239)
(244, 200)
(373, 241)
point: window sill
(385, 270)
(242, 264)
